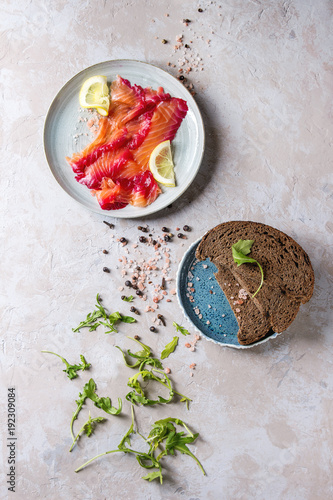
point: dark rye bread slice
(271, 302)
(253, 325)
(285, 264)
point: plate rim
(117, 213)
(200, 332)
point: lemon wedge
(94, 93)
(161, 164)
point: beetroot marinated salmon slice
(115, 166)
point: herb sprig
(164, 436)
(180, 329)
(87, 428)
(169, 348)
(240, 250)
(100, 317)
(71, 370)
(138, 394)
(89, 392)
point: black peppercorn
(106, 269)
(128, 283)
(165, 229)
(138, 292)
(105, 251)
(167, 237)
(136, 337)
(123, 240)
(134, 286)
(143, 239)
(123, 297)
(180, 235)
(152, 329)
(200, 10)
(140, 228)
(181, 77)
(186, 228)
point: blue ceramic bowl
(204, 303)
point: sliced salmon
(115, 165)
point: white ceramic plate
(62, 124)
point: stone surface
(264, 87)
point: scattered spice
(164, 41)
(106, 269)
(186, 228)
(161, 318)
(152, 329)
(111, 226)
(105, 251)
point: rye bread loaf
(288, 275)
(284, 262)
(253, 325)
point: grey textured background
(265, 90)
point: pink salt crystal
(173, 291)
(167, 370)
(188, 345)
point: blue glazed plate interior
(204, 302)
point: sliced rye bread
(272, 302)
(253, 325)
(285, 264)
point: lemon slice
(161, 164)
(94, 93)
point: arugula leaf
(153, 475)
(71, 370)
(89, 392)
(240, 250)
(163, 432)
(127, 319)
(169, 348)
(87, 428)
(128, 299)
(101, 317)
(180, 329)
(143, 357)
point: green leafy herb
(89, 392)
(87, 428)
(240, 250)
(101, 317)
(163, 436)
(128, 299)
(72, 370)
(180, 329)
(169, 348)
(144, 359)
